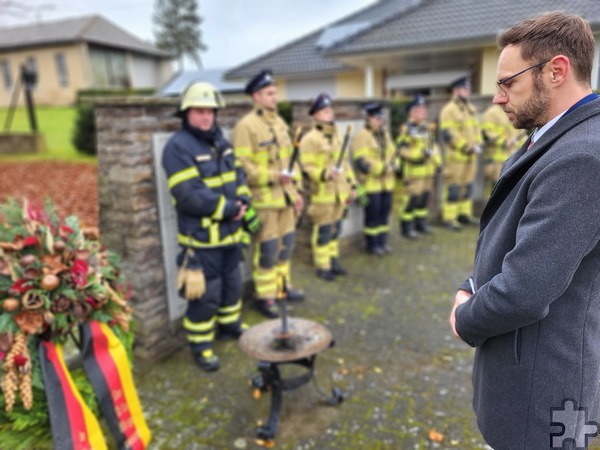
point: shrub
(397, 115)
(285, 111)
(84, 132)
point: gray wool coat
(535, 316)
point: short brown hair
(552, 34)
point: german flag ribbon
(107, 366)
(74, 426)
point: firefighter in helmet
(461, 136)
(263, 146)
(420, 160)
(372, 155)
(211, 200)
(331, 184)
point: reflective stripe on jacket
(460, 130)
(263, 147)
(204, 184)
(320, 149)
(372, 155)
(419, 154)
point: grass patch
(56, 123)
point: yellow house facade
(73, 54)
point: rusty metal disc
(265, 341)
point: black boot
(422, 226)
(467, 220)
(408, 230)
(207, 360)
(295, 295)
(325, 274)
(337, 268)
(267, 308)
(232, 331)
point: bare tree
(177, 29)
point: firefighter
(211, 199)
(501, 140)
(331, 186)
(373, 154)
(420, 160)
(461, 136)
(263, 146)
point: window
(109, 68)
(6, 74)
(61, 69)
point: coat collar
(524, 159)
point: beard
(534, 111)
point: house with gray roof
(233, 91)
(78, 53)
(399, 47)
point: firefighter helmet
(201, 94)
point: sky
(234, 31)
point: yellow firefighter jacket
(418, 152)
(263, 147)
(460, 128)
(372, 154)
(501, 137)
(320, 149)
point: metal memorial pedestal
(279, 342)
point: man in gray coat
(532, 305)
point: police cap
(374, 109)
(418, 100)
(321, 102)
(263, 79)
(462, 82)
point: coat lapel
(524, 159)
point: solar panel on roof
(336, 33)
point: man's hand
(243, 208)
(298, 204)
(460, 298)
(285, 178)
(333, 174)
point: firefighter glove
(251, 221)
(362, 199)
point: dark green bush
(84, 132)
(285, 111)
(397, 115)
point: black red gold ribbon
(74, 426)
(107, 366)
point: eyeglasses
(503, 81)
